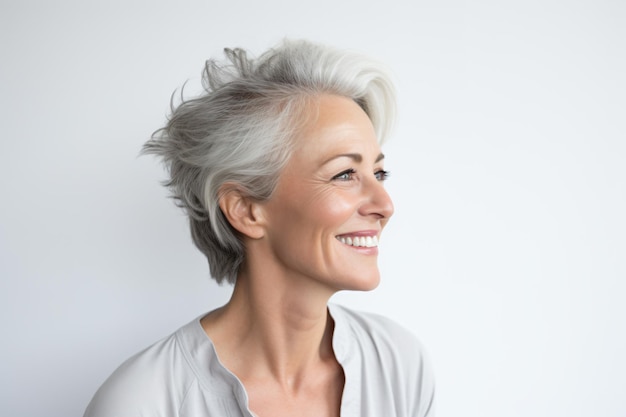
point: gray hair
(240, 130)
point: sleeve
(128, 392)
(150, 383)
(113, 399)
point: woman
(279, 167)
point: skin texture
(275, 333)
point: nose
(376, 200)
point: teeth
(360, 241)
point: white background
(506, 252)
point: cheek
(337, 212)
(309, 210)
(329, 209)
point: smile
(359, 241)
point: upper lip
(361, 233)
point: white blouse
(386, 374)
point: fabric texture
(386, 374)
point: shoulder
(152, 382)
(392, 355)
(371, 328)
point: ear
(242, 212)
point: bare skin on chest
(317, 396)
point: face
(326, 215)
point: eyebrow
(357, 157)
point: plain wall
(508, 173)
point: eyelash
(381, 175)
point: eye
(381, 175)
(345, 175)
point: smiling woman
(279, 167)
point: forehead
(336, 124)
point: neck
(280, 326)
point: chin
(367, 284)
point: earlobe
(241, 211)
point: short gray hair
(241, 128)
